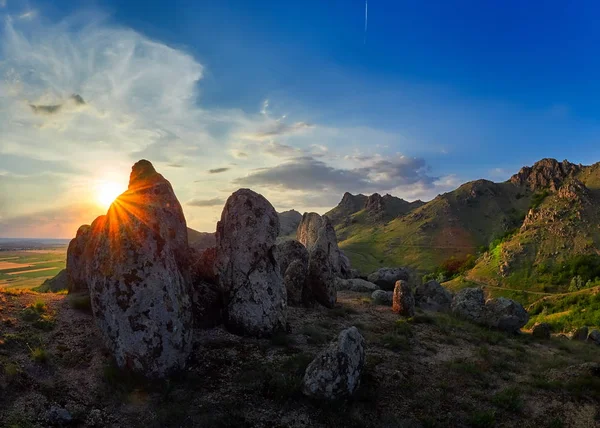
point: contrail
(366, 21)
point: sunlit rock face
(247, 270)
(76, 262)
(138, 275)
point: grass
(398, 338)
(39, 355)
(39, 315)
(509, 399)
(482, 419)
(315, 335)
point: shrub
(39, 354)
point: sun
(108, 192)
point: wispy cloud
(206, 202)
(218, 170)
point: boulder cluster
(499, 313)
(149, 288)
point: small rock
(356, 284)
(431, 296)
(59, 415)
(541, 330)
(594, 337)
(386, 277)
(336, 371)
(581, 334)
(381, 297)
(403, 302)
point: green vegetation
(538, 198)
(567, 312)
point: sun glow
(108, 192)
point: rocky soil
(429, 370)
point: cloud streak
(214, 202)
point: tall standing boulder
(247, 270)
(76, 268)
(317, 231)
(317, 234)
(136, 268)
(403, 302)
(336, 371)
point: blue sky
(292, 99)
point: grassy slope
(453, 224)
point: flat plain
(27, 269)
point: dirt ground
(431, 370)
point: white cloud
(83, 99)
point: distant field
(21, 269)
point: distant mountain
(559, 238)
(288, 223)
(545, 213)
(201, 240)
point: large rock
(292, 257)
(594, 337)
(355, 284)
(381, 297)
(581, 334)
(505, 314)
(501, 313)
(135, 262)
(386, 277)
(249, 275)
(317, 231)
(541, 330)
(288, 251)
(431, 296)
(322, 278)
(336, 371)
(76, 270)
(294, 280)
(403, 301)
(469, 303)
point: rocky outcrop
(431, 296)
(203, 265)
(541, 330)
(355, 284)
(386, 277)
(247, 271)
(381, 297)
(545, 174)
(292, 257)
(315, 230)
(575, 191)
(336, 371)
(349, 205)
(76, 262)
(500, 313)
(403, 301)
(326, 262)
(136, 269)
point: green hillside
(454, 224)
